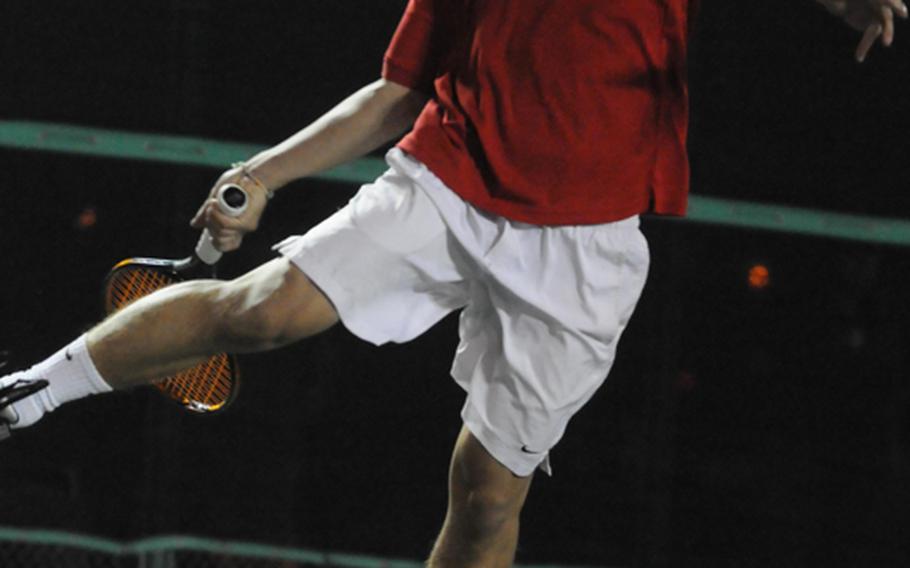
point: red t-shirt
(551, 112)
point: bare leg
(485, 500)
(172, 329)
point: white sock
(72, 375)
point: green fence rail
(163, 552)
(169, 544)
(218, 154)
(185, 150)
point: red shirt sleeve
(412, 58)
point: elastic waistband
(632, 222)
(404, 163)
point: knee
(253, 313)
(244, 327)
(485, 500)
(485, 512)
(485, 497)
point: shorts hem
(333, 291)
(519, 463)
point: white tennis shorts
(544, 306)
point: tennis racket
(211, 385)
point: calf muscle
(177, 327)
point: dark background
(740, 427)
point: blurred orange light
(759, 277)
(87, 219)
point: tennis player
(538, 132)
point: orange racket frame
(209, 386)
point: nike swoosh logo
(528, 451)
(69, 357)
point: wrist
(267, 170)
(249, 180)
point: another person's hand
(228, 232)
(875, 18)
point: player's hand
(228, 232)
(875, 18)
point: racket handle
(232, 201)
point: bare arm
(369, 118)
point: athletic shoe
(14, 388)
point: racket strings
(131, 284)
(206, 387)
(208, 384)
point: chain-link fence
(51, 549)
(31, 555)
(21, 548)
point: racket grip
(232, 201)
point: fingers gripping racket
(211, 385)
